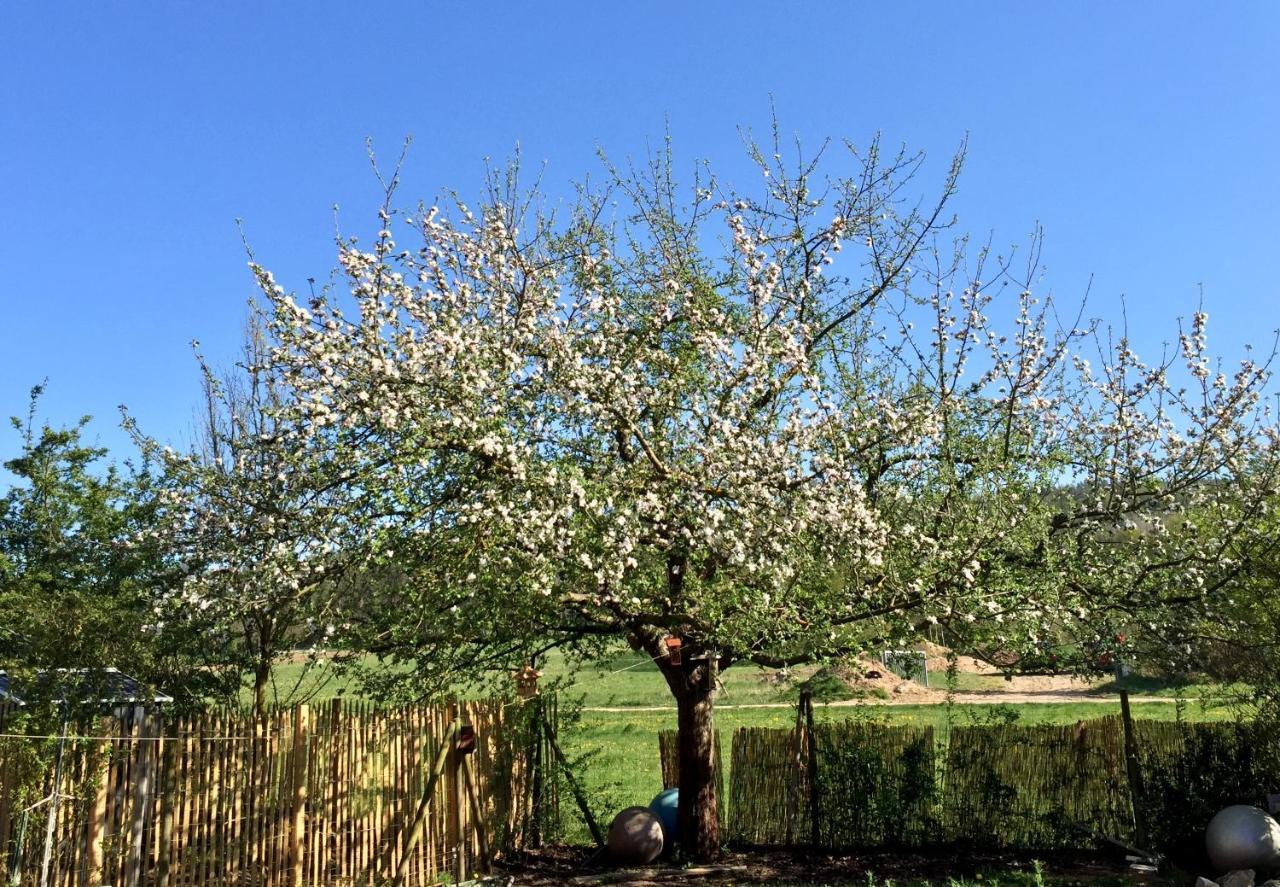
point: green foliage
(1001, 714)
(79, 569)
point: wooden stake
(415, 828)
(578, 794)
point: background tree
(779, 426)
(79, 570)
(243, 517)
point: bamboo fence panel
(1190, 771)
(878, 785)
(1034, 786)
(990, 786)
(763, 770)
(305, 796)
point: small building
(107, 687)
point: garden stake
(415, 830)
(578, 796)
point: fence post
(101, 759)
(1134, 768)
(297, 836)
(814, 831)
(797, 766)
(144, 753)
(169, 799)
(537, 739)
(453, 810)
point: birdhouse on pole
(527, 682)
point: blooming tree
(777, 425)
(248, 518)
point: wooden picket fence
(324, 795)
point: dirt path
(557, 867)
(978, 698)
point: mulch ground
(581, 868)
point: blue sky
(1144, 137)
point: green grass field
(628, 679)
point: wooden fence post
(169, 800)
(815, 832)
(101, 761)
(455, 810)
(797, 768)
(144, 757)
(536, 764)
(297, 835)
(1133, 767)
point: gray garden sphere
(635, 836)
(1243, 837)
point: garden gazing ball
(666, 807)
(1243, 837)
(635, 836)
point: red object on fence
(466, 739)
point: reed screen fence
(991, 786)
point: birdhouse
(527, 682)
(673, 649)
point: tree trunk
(261, 678)
(692, 676)
(698, 821)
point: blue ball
(665, 806)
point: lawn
(627, 679)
